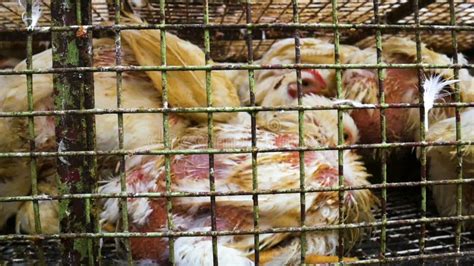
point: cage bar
(340, 129)
(31, 130)
(210, 133)
(236, 193)
(459, 148)
(243, 24)
(74, 90)
(383, 134)
(253, 128)
(244, 150)
(119, 78)
(423, 155)
(166, 136)
(232, 67)
(301, 142)
(235, 109)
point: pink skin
(196, 167)
(285, 140)
(312, 83)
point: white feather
(352, 103)
(432, 86)
(35, 13)
(198, 251)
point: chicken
(140, 90)
(276, 87)
(17, 185)
(283, 92)
(312, 51)
(48, 209)
(281, 95)
(8, 62)
(443, 164)
(233, 173)
(186, 88)
(400, 86)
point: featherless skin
(233, 173)
(140, 90)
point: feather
(189, 86)
(35, 13)
(400, 86)
(140, 130)
(444, 165)
(313, 51)
(432, 87)
(198, 251)
(353, 103)
(233, 173)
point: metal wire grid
(230, 45)
(385, 221)
(402, 239)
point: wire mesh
(402, 244)
(406, 228)
(230, 45)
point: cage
(68, 168)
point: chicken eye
(278, 84)
(346, 136)
(305, 82)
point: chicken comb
(316, 76)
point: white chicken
(233, 173)
(140, 90)
(312, 51)
(443, 164)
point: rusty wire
(297, 23)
